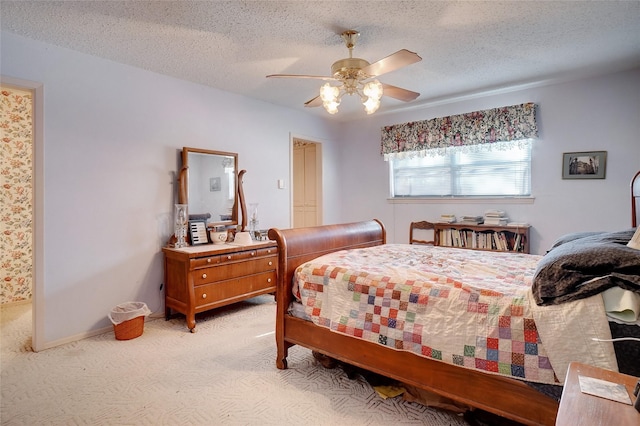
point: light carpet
(224, 374)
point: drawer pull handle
(268, 250)
(253, 253)
(204, 276)
(208, 260)
(270, 263)
(229, 257)
(268, 280)
(204, 295)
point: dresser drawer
(267, 251)
(222, 291)
(203, 262)
(234, 270)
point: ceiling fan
(357, 77)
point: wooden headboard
(300, 245)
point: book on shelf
(496, 221)
(517, 245)
(495, 217)
(448, 218)
(471, 220)
(494, 213)
(496, 241)
(504, 245)
(516, 224)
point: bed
(510, 397)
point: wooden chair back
(635, 199)
(423, 225)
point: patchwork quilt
(464, 307)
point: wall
(593, 114)
(16, 194)
(112, 135)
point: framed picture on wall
(584, 165)
(214, 184)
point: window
(505, 170)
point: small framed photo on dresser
(198, 232)
(584, 165)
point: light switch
(280, 183)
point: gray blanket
(584, 264)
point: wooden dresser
(204, 277)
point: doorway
(307, 183)
(21, 118)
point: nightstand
(577, 408)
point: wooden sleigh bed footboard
(503, 396)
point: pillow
(580, 267)
(571, 237)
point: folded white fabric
(621, 304)
(634, 242)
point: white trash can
(128, 319)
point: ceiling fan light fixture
(329, 93)
(331, 107)
(373, 89)
(371, 105)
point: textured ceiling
(466, 46)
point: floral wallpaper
(478, 128)
(16, 194)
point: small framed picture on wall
(584, 165)
(214, 184)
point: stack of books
(495, 217)
(448, 218)
(472, 220)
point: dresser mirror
(209, 186)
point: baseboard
(77, 337)
(156, 315)
(87, 334)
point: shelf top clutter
(483, 225)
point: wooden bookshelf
(483, 237)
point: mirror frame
(183, 186)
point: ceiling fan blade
(399, 93)
(315, 102)
(315, 77)
(397, 60)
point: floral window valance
(477, 130)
